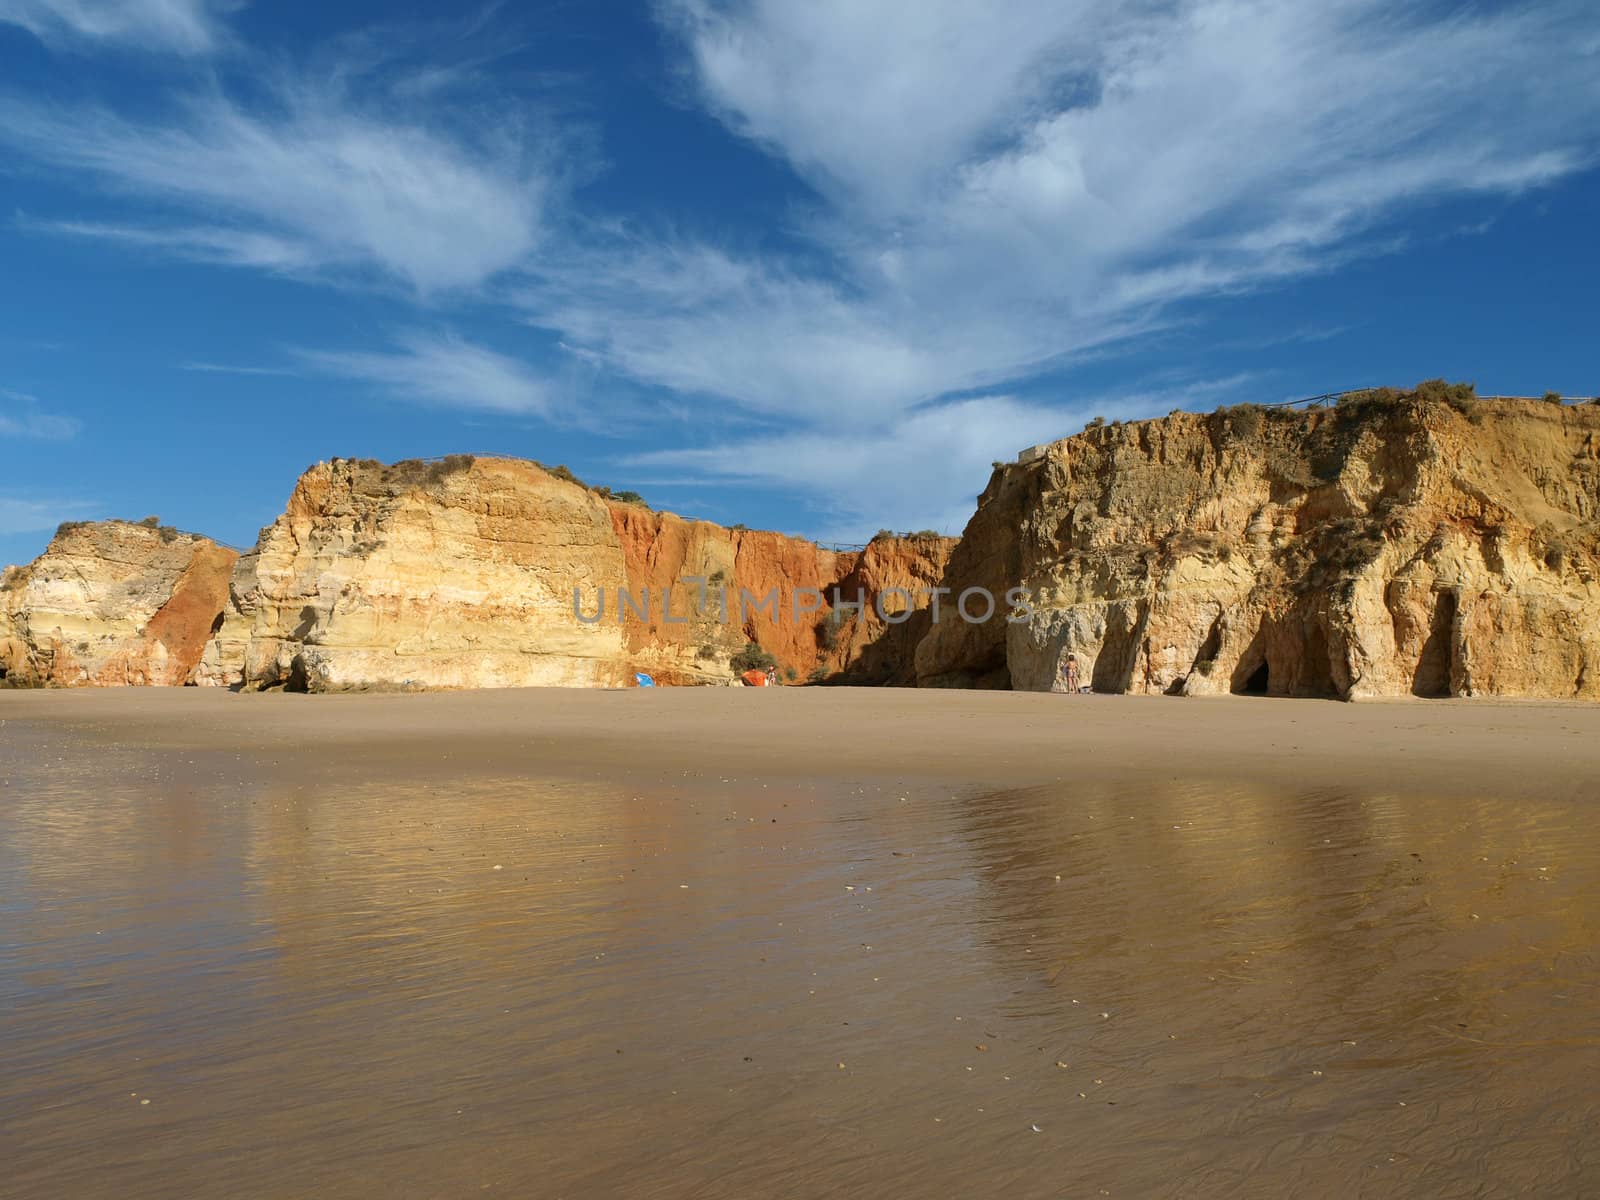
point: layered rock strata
(499, 573)
(112, 603)
(1429, 545)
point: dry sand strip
(1444, 748)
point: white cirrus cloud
(212, 368)
(991, 190)
(311, 180)
(190, 27)
(917, 472)
(919, 469)
(446, 371)
(874, 101)
(999, 187)
(22, 417)
(230, 247)
(20, 514)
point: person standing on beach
(1071, 672)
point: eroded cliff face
(1391, 546)
(751, 582)
(1394, 547)
(112, 603)
(705, 569)
(462, 574)
(890, 584)
(455, 574)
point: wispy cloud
(1007, 185)
(29, 515)
(232, 247)
(22, 417)
(446, 371)
(853, 483)
(235, 369)
(312, 180)
(990, 191)
(184, 26)
(919, 469)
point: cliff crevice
(1410, 544)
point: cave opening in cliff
(1314, 668)
(1258, 682)
(1431, 679)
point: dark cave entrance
(1432, 676)
(1258, 682)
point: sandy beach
(957, 738)
(797, 943)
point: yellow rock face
(111, 603)
(462, 574)
(1396, 547)
(454, 575)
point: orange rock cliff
(1428, 543)
(494, 572)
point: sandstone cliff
(861, 645)
(1427, 544)
(462, 574)
(455, 574)
(668, 555)
(851, 643)
(109, 603)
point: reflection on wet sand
(1348, 994)
(218, 978)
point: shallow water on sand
(219, 980)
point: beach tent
(643, 680)
(754, 678)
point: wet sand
(796, 943)
(984, 739)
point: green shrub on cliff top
(1245, 420)
(450, 464)
(1458, 396)
(409, 472)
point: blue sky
(806, 266)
